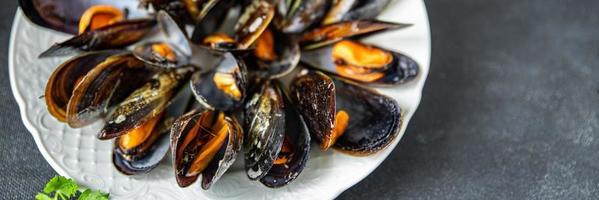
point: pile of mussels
(265, 76)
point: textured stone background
(510, 109)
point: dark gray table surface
(509, 111)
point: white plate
(76, 153)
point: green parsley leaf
(42, 196)
(93, 195)
(64, 187)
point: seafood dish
(210, 81)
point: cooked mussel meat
(108, 82)
(171, 48)
(331, 33)
(250, 24)
(344, 115)
(274, 56)
(223, 88)
(363, 63)
(144, 104)
(141, 149)
(204, 142)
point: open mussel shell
(65, 77)
(249, 25)
(265, 127)
(170, 48)
(295, 150)
(363, 63)
(374, 119)
(142, 149)
(331, 33)
(252, 22)
(144, 158)
(214, 20)
(204, 142)
(145, 103)
(108, 81)
(276, 55)
(370, 120)
(199, 9)
(223, 88)
(64, 15)
(348, 10)
(296, 16)
(114, 36)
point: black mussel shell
(114, 36)
(374, 119)
(314, 95)
(65, 77)
(184, 150)
(295, 150)
(399, 70)
(366, 9)
(147, 155)
(348, 10)
(224, 87)
(146, 162)
(64, 15)
(252, 22)
(296, 16)
(265, 127)
(172, 39)
(107, 82)
(331, 33)
(213, 21)
(224, 158)
(144, 103)
(276, 55)
(174, 8)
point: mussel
(275, 55)
(107, 82)
(225, 87)
(204, 142)
(65, 77)
(331, 33)
(65, 16)
(296, 16)
(348, 10)
(250, 24)
(145, 105)
(253, 22)
(265, 127)
(341, 114)
(363, 63)
(113, 36)
(141, 149)
(134, 76)
(171, 48)
(278, 142)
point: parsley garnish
(62, 188)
